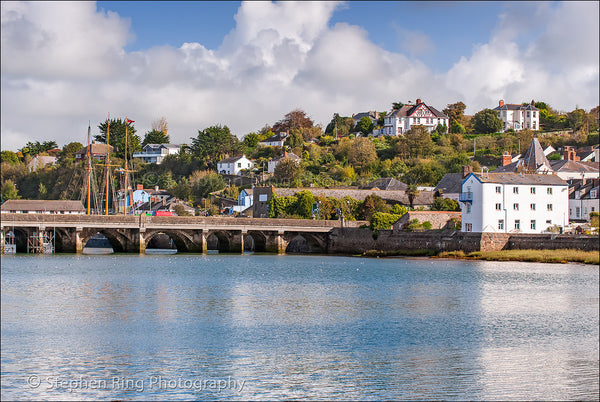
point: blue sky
(246, 65)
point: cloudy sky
(245, 65)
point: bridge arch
(303, 243)
(182, 240)
(219, 240)
(117, 240)
(255, 241)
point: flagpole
(89, 169)
(125, 191)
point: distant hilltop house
(98, 151)
(40, 161)
(156, 153)
(234, 165)
(399, 121)
(372, 115)
(43, 207)
(518, 117)
(275, 161)
(276, 140)
(535, 161)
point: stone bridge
(133, 234)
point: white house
(156, 153)
(234, 165)
(518, 117)
(245, 200)
(401, 120)
(584, 198)
(513, 202)
(275, 161)
(40, 161)
(276, 140)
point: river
(180, 327)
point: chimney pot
(418, 101)
(501, 103)
(140, 187)
(506, 158)
(466, 170)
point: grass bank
(422, 252)
(552, 256)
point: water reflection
(297, 327)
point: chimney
(140, 187)
(418, 101)
(155, 188)
(570, 154)
(501, 103)
(284, 153)
(466, 170)
(532, 103)
(506, 158)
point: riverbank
(561, 256)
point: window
(527, 114)
(549, 207)
(468, 211)
(532, 225)
(498, 206)
(517, 224)
(498, 189)
(532, 206)
(532, 190)
(239, 164)
(577, 212)
(548, 222)
(549, 190)
(516, 207)
(501, 224)
(515, 190)
(468, 227)
(593, 194)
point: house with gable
(276, 140)
(234, 165)
(399, 121)
(513, 202)
(275, 161)
(518, 117)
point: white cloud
(63, 64)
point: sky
(246, 64)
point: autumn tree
(456, 113)
(418, 142)
(161, 125)
(287, 170)
(296, 119)
(362, 154)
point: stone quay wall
(359, 240)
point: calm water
(294, 327)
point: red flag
(130, 121)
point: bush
(382, 220)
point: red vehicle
(164, 213)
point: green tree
(116, 134)
(365, 125)
(9, 191)
(304, 204)
(444, 204)
(204, 183)
(419, 143)
(42, 191)
(295, 139)
(9, 156)
(68, 151)
(251, 140)
(339, 126)
(412, 191)
(372, 204)
(213, 143)
(457, 128)
(397, 105)
(487, 121)
(155, 137)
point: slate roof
(386, 183)
(95, 149)
(517, 178)
(277, 137)
(286, 155)
(512, 106)
(43, 205)
(566, 165)
(408, 110)
(450, 183)
(534, 156)
(424, 198)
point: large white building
(399, 121)
(518, 117)
(234, 165)
(156, 153)
(513, 202)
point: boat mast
(126, 171)
(107, 163)
(89, 168)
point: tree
(116, 134)
(487, 121)
(213, 143)
(205, 182)
(365, 125)
(68, 151)
(412, 191)
(305, 200)
(287, 170)
(42, 191)
(456, 113)
(161, 125)
(372, 204)
(397, 105)
(295, 139)
(418, 142)
(251, 140)
(362, 154)
(444, 204)
(155, 137)
(457, 128)
(9, 156)
(340, 126)
(9, 191)
(296, 119)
